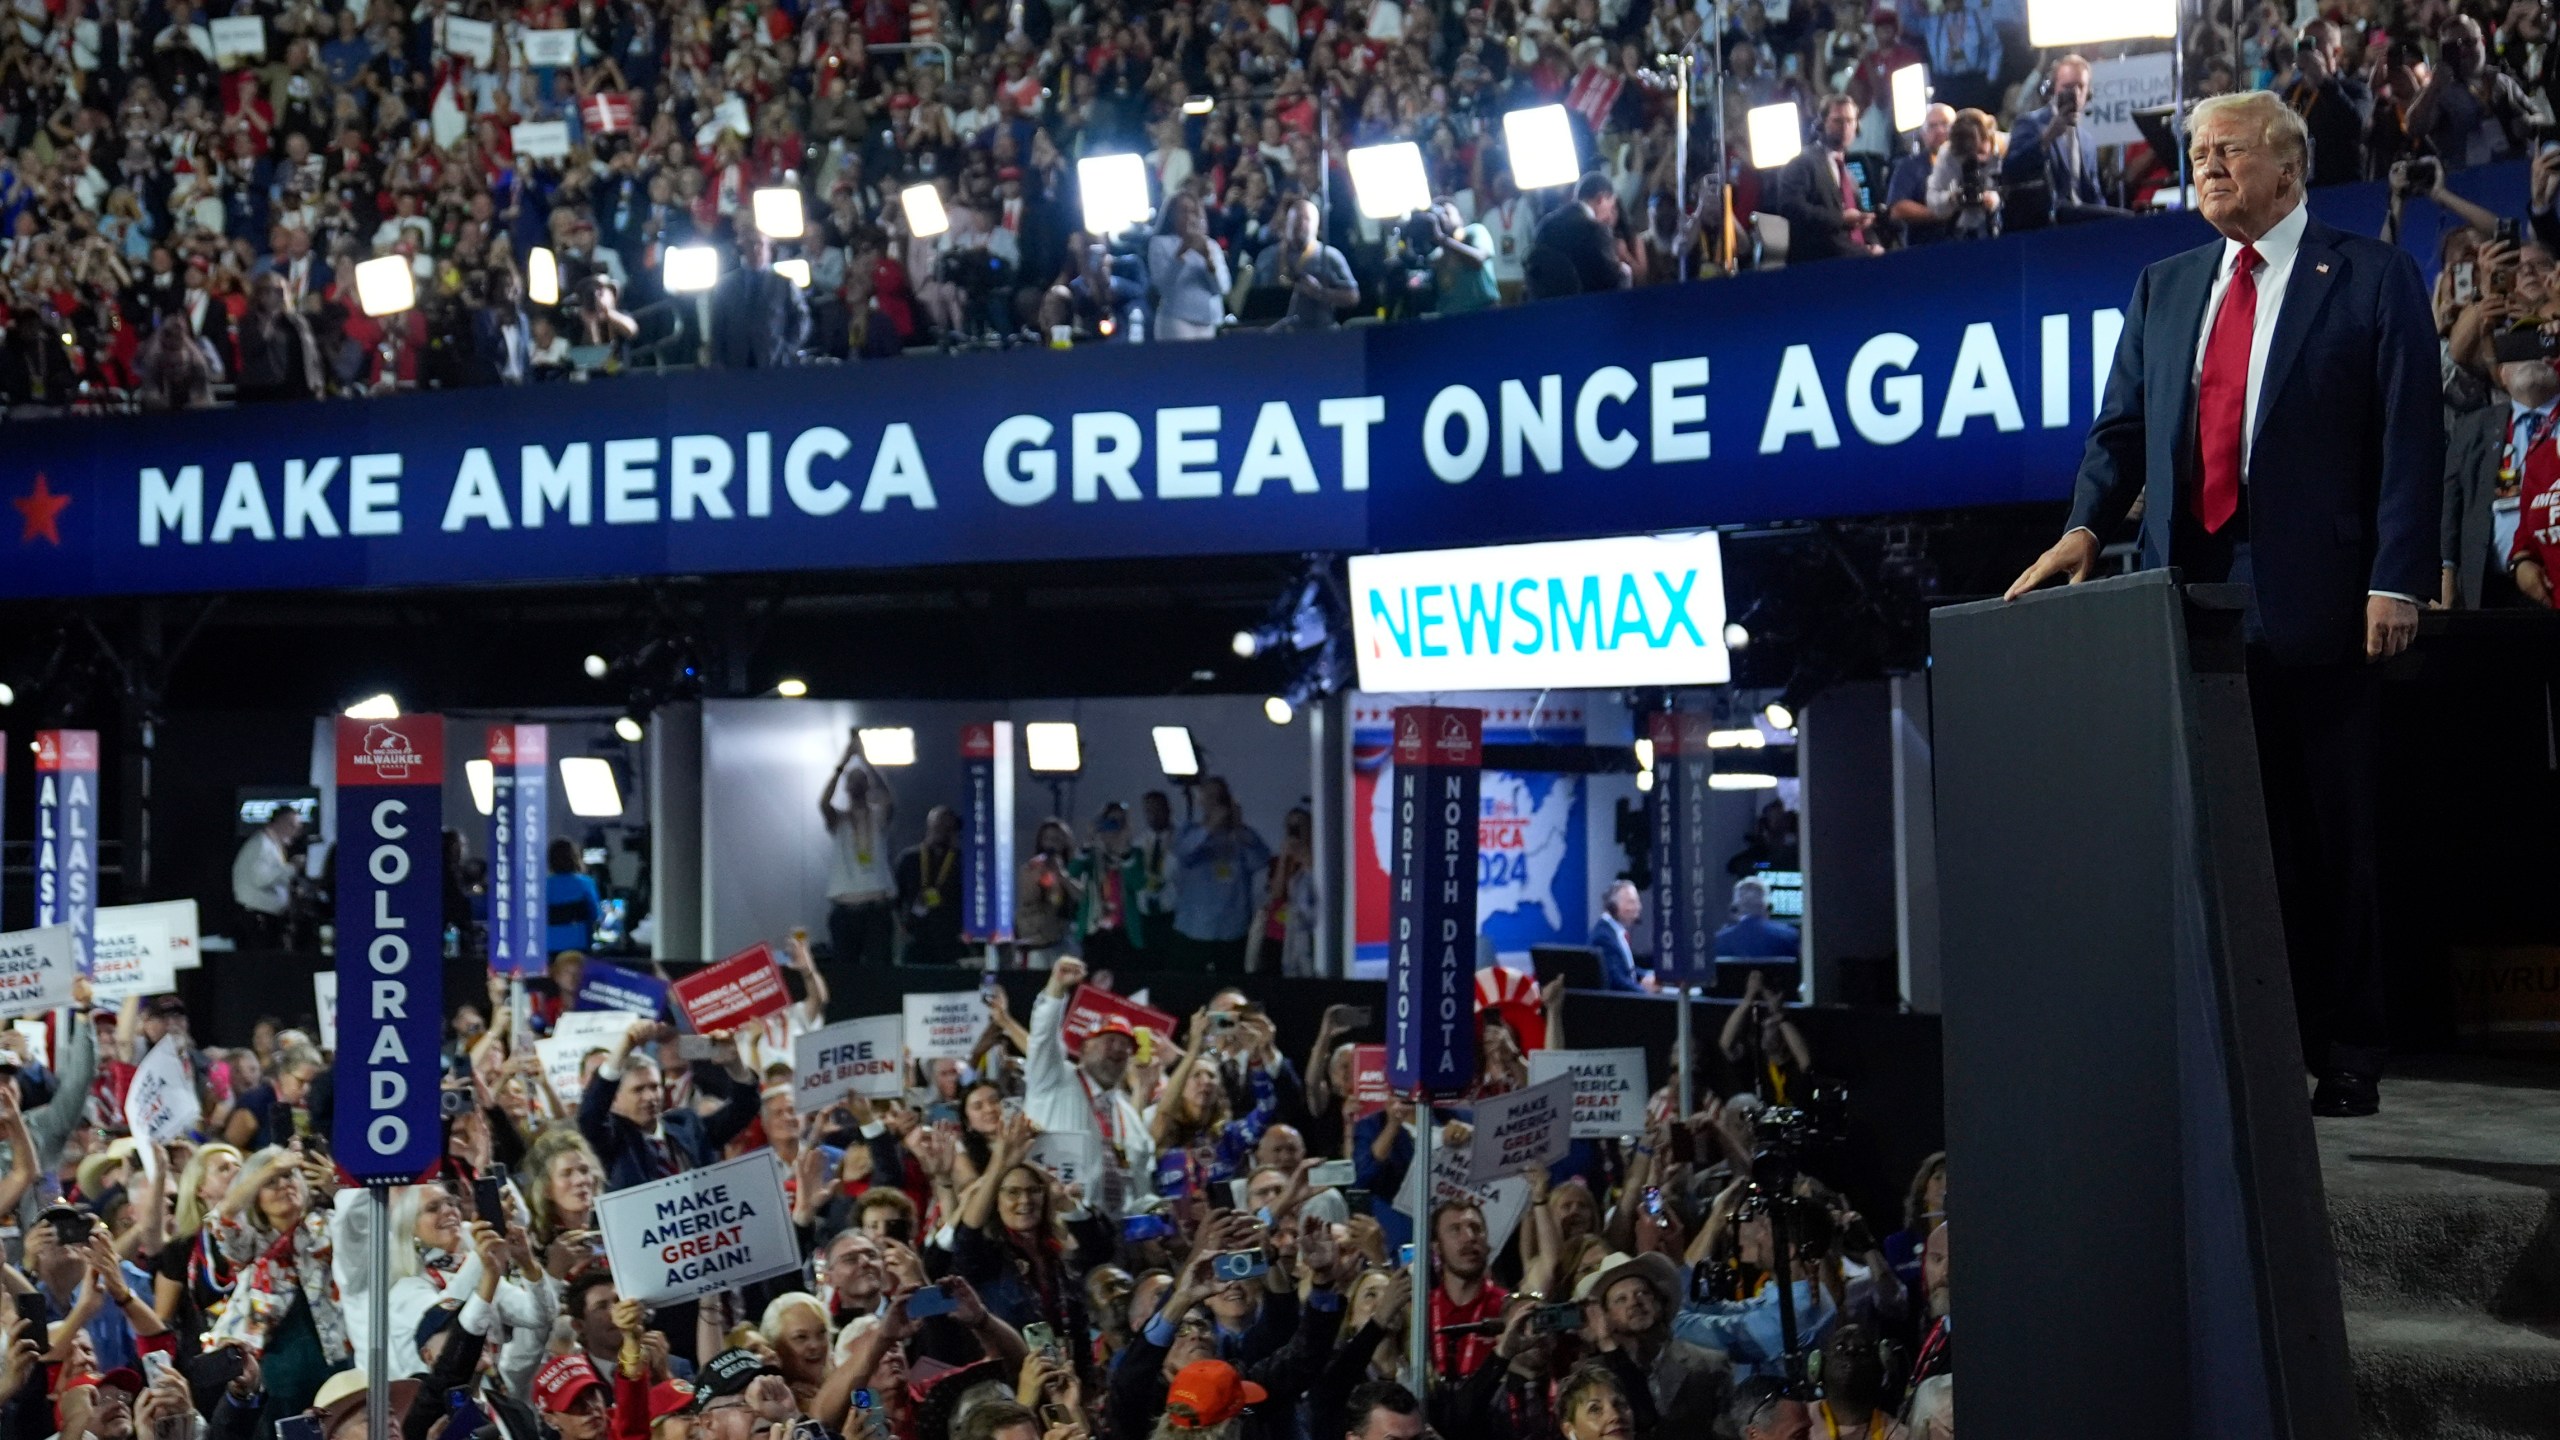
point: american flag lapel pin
(2322, 267)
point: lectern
(2144, 1244)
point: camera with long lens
(1973, 181)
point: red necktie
(2222, 393)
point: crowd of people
(1231, 1266)
(183, 205)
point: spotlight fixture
(887, 745)
(598, 667)
(691, 268)
(1737, 739)
(925, 216)
(1388, 180)
(542, 276)
(1050, 747)
(8, 694)
(1175, 754)
(1114, 190)
(1740, 780)
(1644, 752)
(779, 214)
(1777, 134)
(1737, 636)
(1644, 781)
(791, 689)
(628, 727)
(1910, 98)
(384, 285)
(1778, 715)
(1278, 710)
(375, 707)
(588, 782)
(1540, 140)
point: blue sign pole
(389, 1130)
(1431, 952)
(66, 854)
(986, 840)
(504, 956)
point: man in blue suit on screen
(2275, 395)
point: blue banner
(986, 832)
(389, 1129)
(66, 848)
(506, 928)
(1955, 375)
(1431, 947)
(611, 987)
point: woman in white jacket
(436, 1257)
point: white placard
(551, 47)
(1503, 1202)
(1522, 1131)
(541, 139)
(324, 1002)
(850, 1057)
(37, 968)
(1608, 1088)
(39, 1038)
(239, 35)
(2119, 87)
(161, 1102)
(1580, 614)
(572, 1035)
(186, 947)
(132, 955)
(942, 1026)
(471, 39)
(702, 1231)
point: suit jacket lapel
(2316, 267)
(2182, 314)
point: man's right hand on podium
(2073, 557)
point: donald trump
(2274, 404)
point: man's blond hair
(2277, 124)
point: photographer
(1961, 192)
(2051, 146)
(2424, 175)
(2469, 112)
(1461, 254)
(599, 319)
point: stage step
(2447, 1375)
(2445, 1210)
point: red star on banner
(42, 510)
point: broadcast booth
(1616, 573)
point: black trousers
(858, 937)
(2319, 733)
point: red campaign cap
(1115, 1025)
(1208, 1393)
(669, 1397)
(561, 1380)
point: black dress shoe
(2344, 1094)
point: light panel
(888, 745)
(2052, 23)
(925, 216)
(691, 268)
(1389, 180)
(1540, 140)
(587, 781)
(483, 779)
(779, 213)
(1910, 98)
(384, 285)
(1777, 134)
(1175, 754)
(374, 707)
(542, 276)
(1051, 747)
(1114, 190)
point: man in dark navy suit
(1613, 936)
(2275, 396)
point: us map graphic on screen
(1531, 871)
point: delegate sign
(390, 964)
(699, 1232)
(1521, 1131)
(745, 987)
(943, 1025)
(850, 1057)
(1608, 1088)
(1578, 614)
(36, 970)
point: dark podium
(2145, 1246)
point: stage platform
(2445, 1210)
